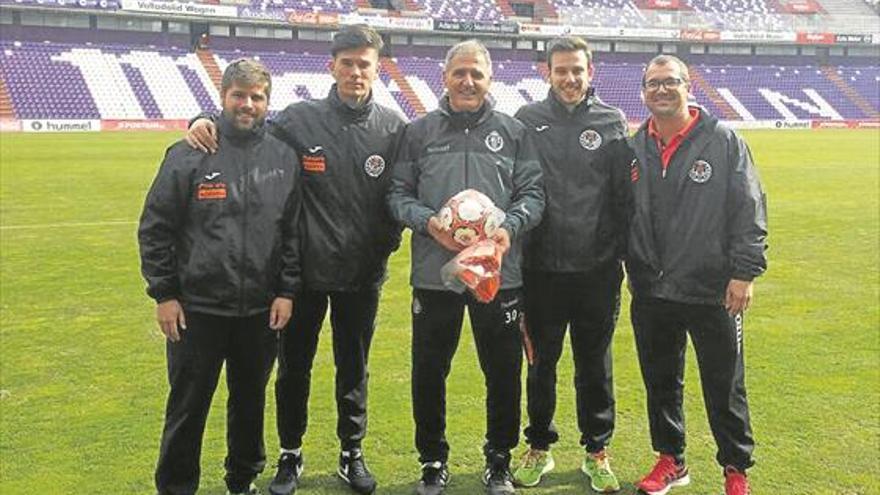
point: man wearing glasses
(697, 241)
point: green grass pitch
(82, 365)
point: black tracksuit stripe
(661, 330)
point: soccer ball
(470, 216)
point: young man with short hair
(572, 264)
(346, 143)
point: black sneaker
(435, 477)
(290, 468)
(353, 470)
(497, 477)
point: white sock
(296, 452)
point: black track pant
(589, 304)
(352, 318)
(249, 347)
(437, 319)
(661, 329)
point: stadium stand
(738, 14)
(115, 81)
(846, 16)
(338, 6)
(74, 4)
(615, 13)
(462, 10)
(839, 16)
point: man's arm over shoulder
(746, 213)
(522, 115)
(204, 115)
(162, 217)
(528, 198)
(403, 193)
(284, 124)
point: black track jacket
(701, 225)
(218, 232)
(346, 157)
(585, 158)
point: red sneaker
(666, 474)
(735, 482)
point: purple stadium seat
(111, 81)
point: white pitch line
(64, 225)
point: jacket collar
(467, 119)
(707, 121)
(228, 130)
(348, 113)
(560, 107)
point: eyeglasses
(669, 84)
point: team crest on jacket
(374, 166)
(494, 141)
(590, 140)
(700, 171)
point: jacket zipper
(244, 196)
(467, 147)
(571, 137)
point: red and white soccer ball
(470, 216)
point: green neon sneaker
(596, 468)
(534, 464)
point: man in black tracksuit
(572, 268)
(465, 144)
(346, 144)
(697, 240)
(219, 251)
